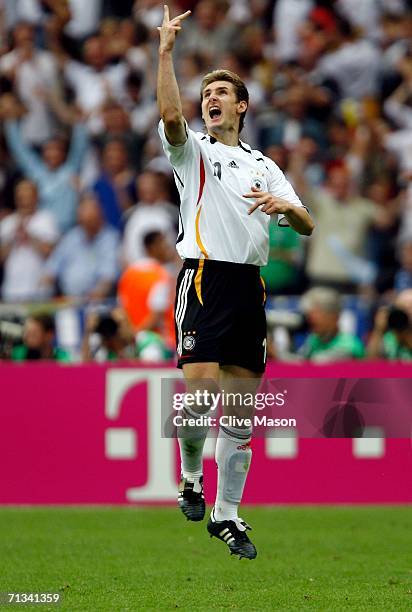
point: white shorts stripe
(182, 304)
(179, 305)
(179, 296)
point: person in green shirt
(39, 338)
(281, 272)
(391, 336)
(110, 337)
(325, 342)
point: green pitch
(152, 559)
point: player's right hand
(169, 29)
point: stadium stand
(331, 91)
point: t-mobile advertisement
(105, 435)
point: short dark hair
(150, 238)
(135, 79)
(107, 327)
(45, 320)
(242, 94)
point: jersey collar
(241, 144)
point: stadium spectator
(107, 337)
(153, 212)
(39, 341)
(140, 105)
(55, 172)
(325, 342)
(116, 125)
(288, 17)
(85, 262)
(383, 237)
(27, 237)
(403, 278)
(291, 121)
(146, 289)
(84, 18)
(115, 185)
(95, 80)
(211, 33)
(281, 274)
(30, 71)
(337, 250)
(300, 59)
(391, 336)
(352, 62)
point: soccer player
(228, 193)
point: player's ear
(242, 106)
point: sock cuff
(236, 433)
(189, 412)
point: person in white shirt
(152, 213)
(228, 193)
(85, 17)
(27, 238)
(354, 64)
(33, 73)
(95, 80)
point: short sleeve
(180, 156)
(279, 186)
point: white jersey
(212, 178)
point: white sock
(233, 456)
(191, 442)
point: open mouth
(214, 112)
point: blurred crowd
(88, 207)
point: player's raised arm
(168, 97)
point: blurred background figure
(391, 336)
(108, 337)
(153, 212)
(403, 277)
(115, 185)
(39, 341)
(30, 72)
(325, 342)
(146, 290)
(55, 172)
(85, 263)
(27, 238)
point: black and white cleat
(191, 499)
(233, 533)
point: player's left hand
(267, 202)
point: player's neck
(229, 138)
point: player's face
(220, 108)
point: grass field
(325, 558)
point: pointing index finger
(182, 16)
(166, 16)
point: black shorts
(220, 314)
